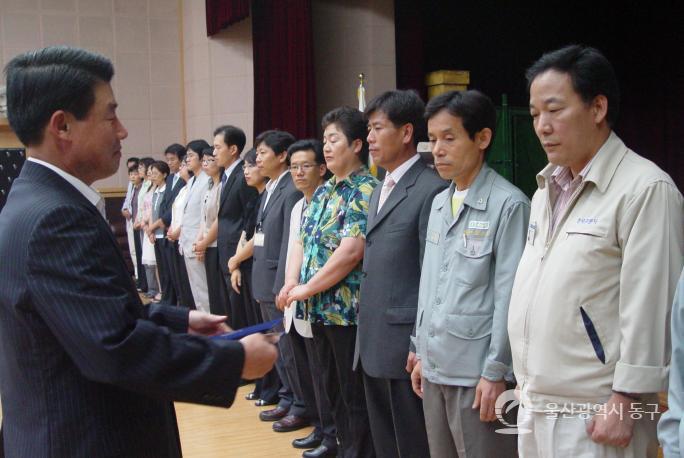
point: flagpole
(361, 96)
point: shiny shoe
(251, 396)
(273, 414)
(310, 441)
(319, 451)
(263, 403)
(290, 423)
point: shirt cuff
(639, 379)
(494, 371)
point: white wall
(352, 37)
(141, 37)
(175, 84)
(218, 75)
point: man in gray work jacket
(475, 236)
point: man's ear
(58, 125)
(483, 138)
(407, 133)
(599, 108)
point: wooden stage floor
(213, 432)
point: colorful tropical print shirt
(337, 210)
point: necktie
(175, 180)
(387, 187)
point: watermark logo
(505, 403)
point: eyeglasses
(305, 167)
(208, 161)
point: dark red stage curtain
(284, 88)
(222, 13)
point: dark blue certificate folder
(240, 333)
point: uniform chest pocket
(474, 260)
(586, 230)
(584, 238)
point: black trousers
(245, 298)
(137, 243)
(311, 382)
(236, 303)
(334, 346)
(285, 358)
(164, 274)
(396, 417)
(181, 281)
(215, 284)
(169, 291)
(266, 387)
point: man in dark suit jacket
(85, 369)
(167, 267)
(236, 201)
(395, 238)
(270, 254)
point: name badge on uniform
(433, 237)
(531, 233)
(259, 239)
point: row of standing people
(399, 298)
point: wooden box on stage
(443, 81)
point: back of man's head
(589, 70)
(51, 79)
(401, 107)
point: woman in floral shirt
(325, 272)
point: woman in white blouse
(210, 207)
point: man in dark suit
(174, 154)
(236, 200)
(395, 238)
(270, 255)
(85, 369)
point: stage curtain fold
(284, 86)
(222, 13)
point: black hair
(589, 70)
(278, 140)
(474, 108)
(401, 107)
(352, 123)
(162, 166)
(135, 160)
(177, 149)
(232, 136)
(198, 146)
(41, 82)
(250, 157)
(147, 162)
(133, 168)
(310, 144)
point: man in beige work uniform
(589, 313)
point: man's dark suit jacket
(169, 196)
(85, 369)
(274, 220)
(237, 200)
(395, 241)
